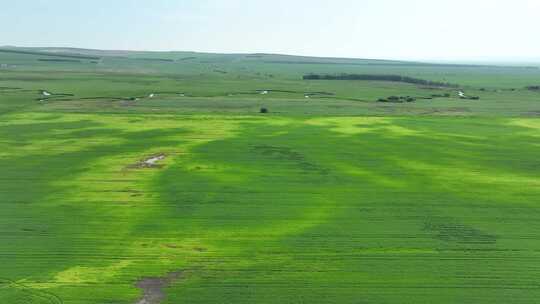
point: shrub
(264, 111)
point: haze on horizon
(480, 30)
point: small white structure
(264, 92)
(461, 94)
(45, 93)
(151, 95)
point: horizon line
(485, 60)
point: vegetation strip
(392, 78)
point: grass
(323, 200)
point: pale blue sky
(400, 29)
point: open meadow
(146, 178)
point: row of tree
(373, 77)
(397, 99)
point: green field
(145, 178)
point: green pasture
(327, 199)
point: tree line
(393, 78)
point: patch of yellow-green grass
(362, 125)
(531, 124)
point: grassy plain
(327, 199)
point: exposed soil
(153, 160)
(150, 162)
(152, 287)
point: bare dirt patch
(149, 162)
(152, 287)
(153, 160)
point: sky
(442, 30)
